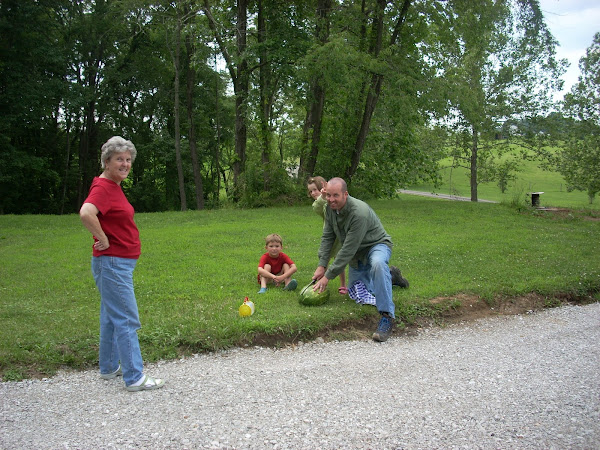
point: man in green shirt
(366, 249)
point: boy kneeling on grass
(275, 266)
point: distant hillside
(530, 178)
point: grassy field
(197, 267)
(530, 178)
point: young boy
(276, 266)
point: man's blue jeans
(119, 318)
(376, 276)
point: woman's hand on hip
(101, 245)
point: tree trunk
(178, 161)
(217, 153)
(191, 76)
(67, 160)
(314, 115)
(370, 104)
(264, 93)
(241, 95)
(317, 114)
(240, 78)
(88, 152)
(88, 146)
(376, 83)
(302, 169)
(474, 149)
(372, 94)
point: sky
(573, 24)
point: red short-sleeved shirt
(275, 263)
(116, 219)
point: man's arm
(354, 238)
(328, 238)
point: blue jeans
(376, 276)
(119, 319)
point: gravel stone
(527, 381)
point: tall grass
(197, 267)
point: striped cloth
(359, 293)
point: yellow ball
(247, 309)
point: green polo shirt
(358, 229)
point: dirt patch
(449, 310)
(466, 308)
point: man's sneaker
(384, 329)
(397, 278)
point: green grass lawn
(530, 178)
(197, 267)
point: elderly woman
(108, 215)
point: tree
(315, 99)
(239, 71)
(357, 46)
(35, 56)
(74, 73)
(579, 164)
(583, 102)
(374, 87)
(174, 43)
(190, 85)
(579, 157)
(499, 63)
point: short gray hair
(117, 144)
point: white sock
(140, 381)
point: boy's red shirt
(275, 263)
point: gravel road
(444, 196)
(529, 381)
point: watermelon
(308, 297)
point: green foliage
(579, 158)
(583, 102)
(72, 74)
(268, 186)
(196, 268)
(32, 58)
(502, 173)
(580, 165)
